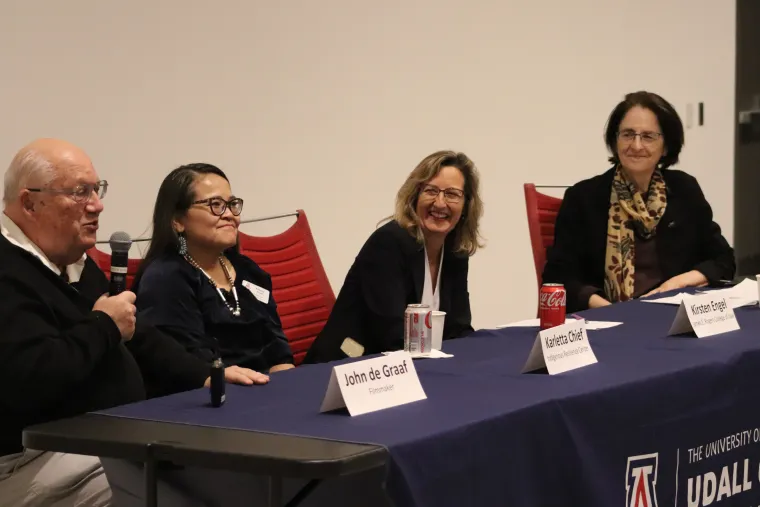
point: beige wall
(328, 105)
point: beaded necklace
(235, 311)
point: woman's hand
(281, 367)
(242, 376)
(688, 279)
(597, 301)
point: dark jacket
(686, 237)
(179, 300)
(387, 275)
(58, 358)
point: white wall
(328, 105)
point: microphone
(120, 243)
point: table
(671, 418)
(152, 443)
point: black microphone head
(120, 242)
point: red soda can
(418, 332)
(552, 300)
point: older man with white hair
(65, 346)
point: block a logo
(640, 481)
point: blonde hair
(467, 237)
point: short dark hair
(667, 117)
(175, 196)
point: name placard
(704, 315)
(373, 384)
(560, 349)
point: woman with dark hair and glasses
(422, 256)
(194, 284)
(639, 228)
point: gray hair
(29, 165)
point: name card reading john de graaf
(373, 384)
(705, 315)
(560, 349)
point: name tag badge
(259, 293)
(704, 315)
(352, 348)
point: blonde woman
(420, 256)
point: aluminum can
(552, 302)
(418, 329)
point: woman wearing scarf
(639, 228)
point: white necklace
(235, 311)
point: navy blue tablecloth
(613, 432)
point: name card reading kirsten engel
(373, 384)
(560, 349)
(705, 315)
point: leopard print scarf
(627, 205)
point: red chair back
(542, 214)
(299, 283)
(103, 260)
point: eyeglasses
(218, 206)
(628, 136)
(450, 195)
(80, 193)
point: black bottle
(217, 383)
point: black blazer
(687, 237)
(387, 275)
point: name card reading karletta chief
(560, 349)
(373, 384)
(704, 315)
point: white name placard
(704, 315)
(560, 349)
(373, 384)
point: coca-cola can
(418, 329)
(552, 301)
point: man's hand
(281, 367)
(122, 311)
(242, 376)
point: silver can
(418, 331)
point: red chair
(299, 284)
(542, 213)
(103, 260)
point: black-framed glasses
(450, 195)
(80, 193)
(628, 136)
(218, 206)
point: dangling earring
(182, 244)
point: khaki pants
(197, 487)
(51, 479)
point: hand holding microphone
(120, 303)
(121, 309)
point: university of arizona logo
(641, 479)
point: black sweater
(179, 300)
(58, 358)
